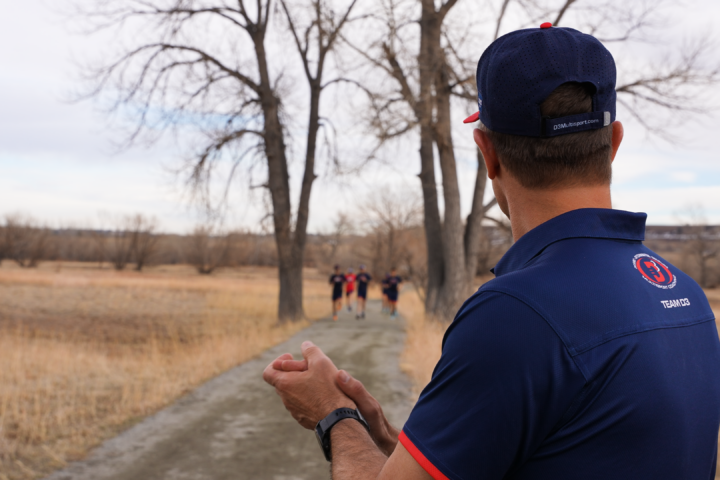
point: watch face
(323, 447)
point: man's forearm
(354, 454)
(387, 438)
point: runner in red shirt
(349, 288)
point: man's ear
(617, 137)
(488, 150)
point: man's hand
(311, 388)
(309, 394)
(383, 433)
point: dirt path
(235, 427)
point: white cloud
(57, 164)
(665, 205)
(684, 176)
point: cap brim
(472, 118)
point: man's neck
(530, 208)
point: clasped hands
(313, 387)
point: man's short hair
(582, 158)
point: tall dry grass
(84, 352)
(423, 342)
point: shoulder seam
(576, 361)
(691, 321)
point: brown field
(423, 342)
(85, 352)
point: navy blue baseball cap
(518, 71)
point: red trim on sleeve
(420, 458)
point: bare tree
(395, 237)
(207, 249)
(100, 241)
(702, 245)
(229, 87)
(495, 241)
(132, 238)
(24, 241)
(4, 245)
(331, 241)
(144, 239)
(120, 247)
(387, 214)
(703, 248)
(430, 58)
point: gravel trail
(235, 427)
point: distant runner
(349, 288)
(393, 290)
(337, 280)
(363, 278)
(384, 286)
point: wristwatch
(322, 429)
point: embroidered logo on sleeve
(654, 271)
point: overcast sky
(58, 163)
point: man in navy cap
(588, 356)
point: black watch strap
(323, 427)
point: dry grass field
(85, 352)
(424, 338)
(423, 341)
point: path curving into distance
(235, 426)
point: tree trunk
(427, 62)
(473, 225)
(390, 259)
(290, 262)
(432, 223)
(452, 248)
(455, 283)
(290, 307)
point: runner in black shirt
(363, 278)
(337, 280)
(393, 290)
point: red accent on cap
(472, 118)
(546, 25)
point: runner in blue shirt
(363, 279)
(589, 356)
(337, 280)
(393, 291)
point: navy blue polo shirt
(588, 357)
(363, 278)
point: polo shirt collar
(582, 223)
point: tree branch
(561, 13)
